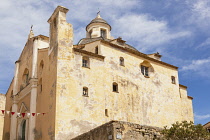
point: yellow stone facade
(82, 86)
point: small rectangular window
(115, 87)
(103, 33)
(41, 87)
(84, 63)
(85, 91)
(173, 80)
(106, 113)
(121, 61)
(96, 50)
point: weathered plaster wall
(23, 96)
(25, 62)
(115, 130)
(91, 47)
(2, 106)
(8, 106)
(152, 100)
(140, 100)
(186, 105)
(46, 97)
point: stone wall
(118, 130)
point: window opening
(41, 65)
(85, 91)
(121, 61)
(173, 80)
(85, 62)
(103, 33)
(96, 50)
(90, 33)
(106, 113)
(40, 84)
(115, 87)
(26, 76)
(145, 70)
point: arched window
(122, 61)
(26, 76)
(85, 62)
(115, 87)
(23, 130)
(96, 50)
(41, 66)
(85, 91)
(146, 69)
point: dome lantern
(98, 27)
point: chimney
(61, 32)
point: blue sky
(177, 29)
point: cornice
(182, 86)
(138, 54)
(88, 53)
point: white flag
(8, 112)
(18, 114)
(28, 114)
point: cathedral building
(61, 90)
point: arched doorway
(23, 130)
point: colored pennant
(2, 111)
(23, 114)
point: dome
(98, 19)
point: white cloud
(196, 65)
(201, 117)
(146, 31)
(205, 44)
(198, 15)
(202, 8)
(200, 67)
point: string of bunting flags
(20, 114)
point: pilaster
(32, 119)
(13, 126)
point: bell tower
(98, 27)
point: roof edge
(139, 54)
(183, 86)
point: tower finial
(98, 13)
(31, 34)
